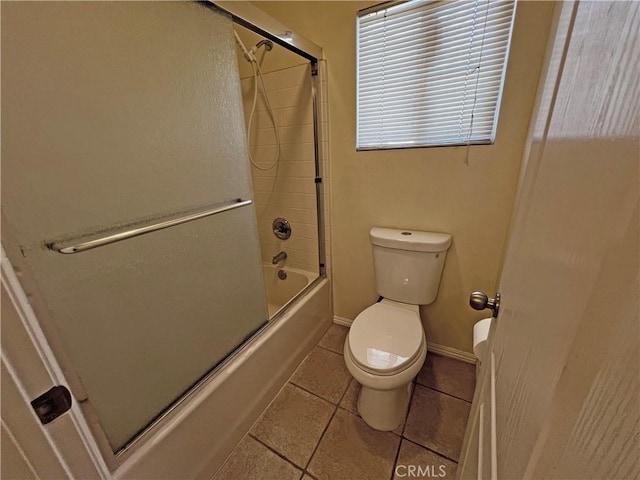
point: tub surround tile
(300, 244)
(323, 373)
(289, 190)
(448, 375)
(424, 463)
(252, 460)
(350, 449)
(334, 338)
(293, 424)
(437, 421)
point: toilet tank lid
(411, 240)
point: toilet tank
(408, 264)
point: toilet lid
(385, 338)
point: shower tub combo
(283, 285)
(197, 435)
(291, 307)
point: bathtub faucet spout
(279, 257)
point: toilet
(386, 345)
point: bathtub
(193, 439)
(283, 285)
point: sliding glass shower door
(121, 116)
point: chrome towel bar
(135, 232)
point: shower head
(268, 45)
(250, 54)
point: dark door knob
(480, 301)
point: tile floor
(312, 429)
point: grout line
(431, 450)
(299, 65)
(444, 393)
(275, 451)
(335, 410)
(332, 351)
(291, 251)
(314, 394)
(311, 393)
(293, 125)
(395, 460)
(344, 394)
(404, 426)
(348, 411)
(326, 427)
(297, 224)
(406, 417)
(271, 233)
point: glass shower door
(120, 115)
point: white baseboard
(342, 321)
(432, 347)
(452, 353)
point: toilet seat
(385, 339)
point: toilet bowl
(384, 351)
(386, 345)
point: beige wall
(429, 188)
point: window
(430, 73)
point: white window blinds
(431, 72)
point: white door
(559, 393)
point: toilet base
(384, 410)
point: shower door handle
(135, 232)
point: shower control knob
(480, 301)
(281, 228)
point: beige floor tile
(323, 373)
(351, 450)
(293, 424)
(252, 460)
(448, 375)
(334, 338)
(437, 421)
(350, 399)
(415, 461)
(350, 402)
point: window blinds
(431, 72)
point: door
(119, 116)
(559, 392)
